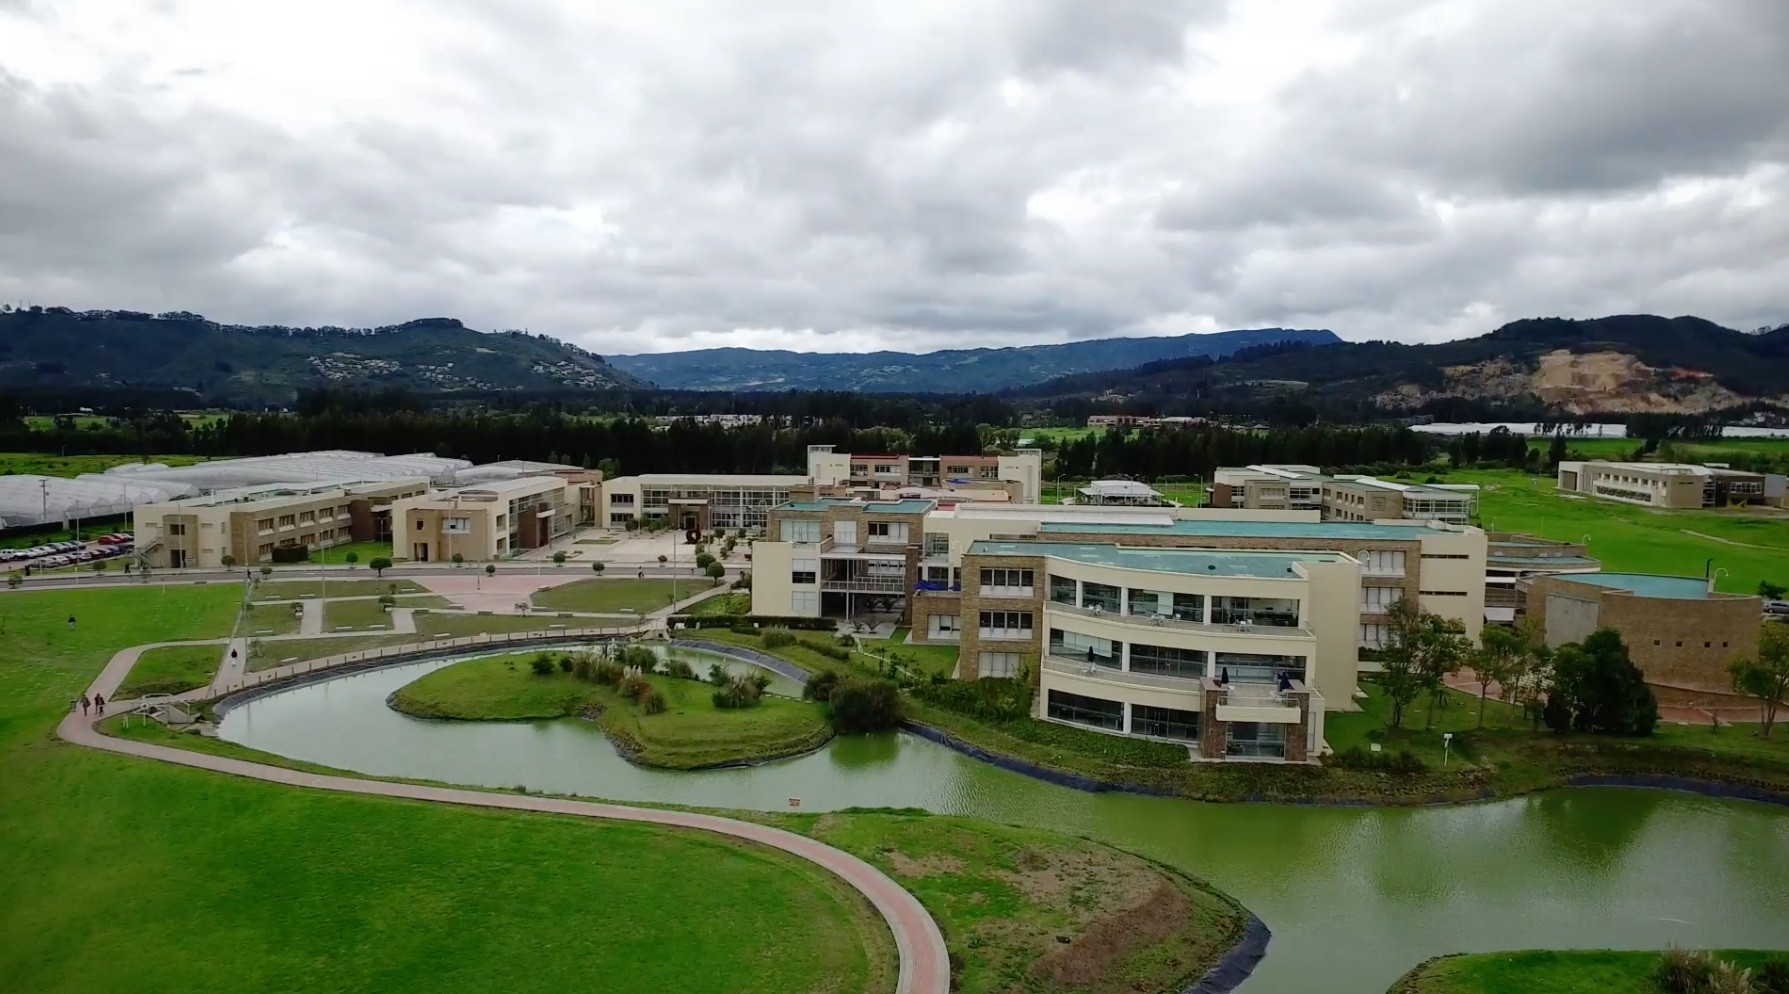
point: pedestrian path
(311, 623)
(924, 961)
(234, 663)
(403, 620)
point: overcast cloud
(911, 175)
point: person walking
(99, 704)
(85, 703)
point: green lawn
(367, 551)
(1749, 546)
(49, 464)
(171, 670)
(1701, 450)
(1008, 898)
(269, 619)
(359, 615)
(927, 659)
(121, 873)
(691, 733)
(367, 586)
(1545, 971)
(615, 596)
(278, 652)
(737, 602)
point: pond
(1354, 896)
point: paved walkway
(234, 663)
(925, 964)
(311, 622)
(403, 620)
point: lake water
(1355, 896)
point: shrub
(607, 672)
(1684, 971)
(677, 669)
(584, 667)
(742, 691)
(1773, 976)
(542, 665)
(1728, 977)
(777, 638)
(559, 559)
(863, 706)
(566, 663)
(634, 687)
(639, 657)
(991, 699)
(654, 703)
(743, 630)
(830, 650)
(703, 560)
(1356, 758)
(820, 686)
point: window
(1006, 624)
(457, 526)
(805, 603)
(176, 529)
(1063, 590)
(804, 571)
(1102, 596)
(288, 521)
(627, 499)
(1167, 661)
(1165, 723)
(1249, 738)
(1086, 649)
(888, 532)
(1276, 612)
(1444, 593)
(956, 471)
(937, 545)
(265, 524)
(999, 664)
(942, 626)
(801, 576)
(1008, 580)
(621, 517)
(885, 469)
(1383, 562)
(1094, 711)
(1374, 600)
(938, 574)
(1254, 667)
(1372, 636)
(805, 530)
(1440, 555)
(307, 517)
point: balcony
(866, 585)
(1093, 671)
(1262, 703)
(1176, 624)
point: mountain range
(949, 371)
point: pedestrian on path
(85, 703)
(99, 704)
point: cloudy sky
(908, 174)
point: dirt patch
(1087, 958)
(927, 866)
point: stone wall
(1683, 644)
(973, 603)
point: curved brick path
(925, 965)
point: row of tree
(1152, 454)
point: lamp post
(1447, 741)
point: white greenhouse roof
(38, 500)
(297, 467)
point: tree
(1771, 591)
(14, 578)
(1530, 679)
(350, 558)
(703, 560)
(380, 564)
(99, 566)
(1556, 451)
(1767, 677)
(229, 561)
(458, 559)
(861, 706)
(490, 569)
(1598, 689)
(1495, 662)
(717, 572)
(1401, 678)
(387, 601)
(265, 570)
(559, 559)
(597, 567)
(1444, 650)
(662, 560)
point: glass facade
(1103, 596)
(1165, 661)
(1086, 648)
(1063, 590)
(1096, 712)
(1165, 723)
(1250, 738)
(1277, 612)
(1255, 667)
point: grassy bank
(171, 669)
(690, 733)
(269, 653)
(126, 873)
(1544, 971)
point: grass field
(691, 733)
(171, 670)
(737, 602)
(367, 551)
(459, 625)
(939, 659)
(121, 873)
(1701, 450)
(271, 653)
(279, 590)
(359, 615)
(1545, 971)
(1750, 546)
(615, 596)
(269, 619)
(50, 464)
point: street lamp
(1447, 741)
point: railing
(1157, 621)
(872, 585)
(1255, 695)
(1156, 681)
(1381, 570)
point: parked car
(1777, 609)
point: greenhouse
(297, 467)
(46, 500)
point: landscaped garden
(265, 654)
(171, 669)
(365, 586)
(618, 596)
(357, 615)
(673, 722)
(269, 619)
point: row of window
(1006, 624)
(1008, 579)
(1097, 712)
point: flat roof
(1193, 562)
(1248, 529)
(721, 479)
(911, 505)
(277, 493)
(1120, 488)
(1688, 588)
(1574, 561)
(521, 484)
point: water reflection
(1355, 896)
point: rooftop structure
(1340, 498)
(1023, 467)
(1125, 492)
(1198, 562)
(1512, 556)
(296, 467)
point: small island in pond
(666, 719)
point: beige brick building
(494, 520)
(250, 523)
(1671, 485)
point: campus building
(1340, 498)
(1681, 634)
(697, 501)
(1670, 485)
(1128, 493)
(1513, 556)
(494, 520)
(248, 524)
(1024, 467)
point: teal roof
(910, 506)
(1246, 529)
(1690, 588)
(808, 505)
(1199, 562)
(1571, 562)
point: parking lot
(54, 555)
